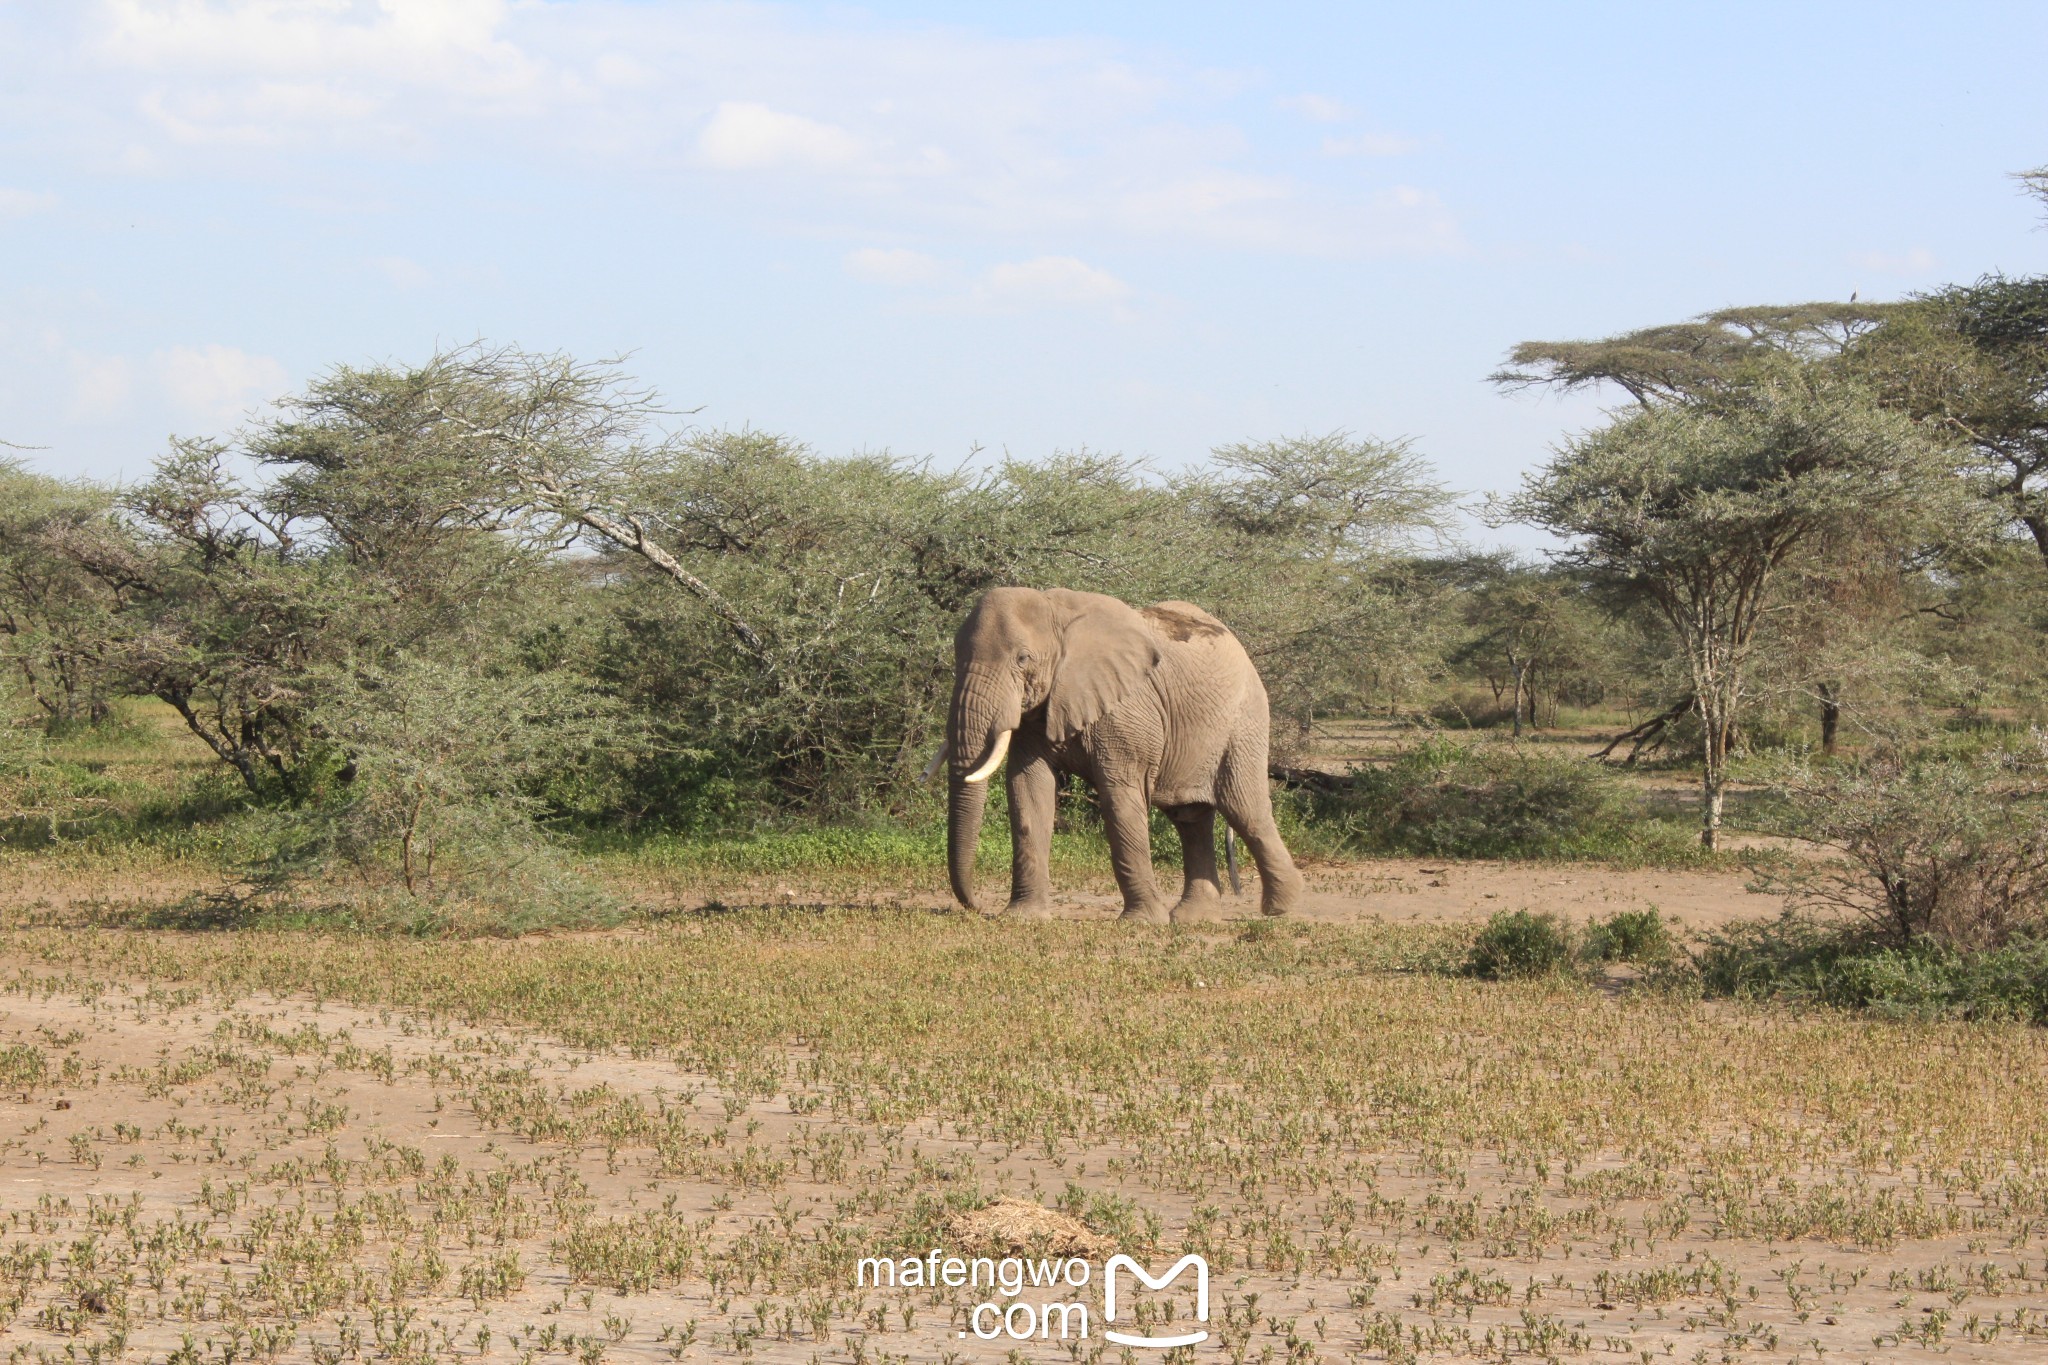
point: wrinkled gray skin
(1154, 708)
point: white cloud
(1918, 261)
(100, 385)
(748, 136)
(897, 266)
(1369, 144)
(612, 68)
(1049, 282)
(1041, 282)
(906, 130)
(1318, 108)
(455, 42)
(1203, 199)
(216, 383)
(269, 72)
(22, 203)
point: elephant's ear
(1106, 650)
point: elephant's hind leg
(1245, 797)
(1201, 896)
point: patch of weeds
(1638, 936)
(1519, 944)
(1797, 958)
(22, 1067)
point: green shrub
(1628, 936)
(1446, 799)
(1944, 850)
(1519, 944)
(436, 829)
(1796, 958)
(43, 798)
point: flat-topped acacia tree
(1702, 506)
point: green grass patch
(1798, 959)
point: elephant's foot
(1153, 913)
(1200, 905)
(1281, 897)
(1031, 907)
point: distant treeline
(1802, 521)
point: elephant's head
(1074, 654)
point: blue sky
(1146, 228)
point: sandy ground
(1451, 891)
(1397, 890)
(154, 1129)
(177, 1111)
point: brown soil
(155, 1124)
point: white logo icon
(1158, 1343)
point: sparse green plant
(1638, 936)
(1519, 945)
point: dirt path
(1448, 891)
(1399, 890)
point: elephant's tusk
(995, 759)
(931, 769)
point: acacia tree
(1968, 359)
(807, 644)
(1686, 362)
(1975, 358)
(1296, 543)
(58, 622)
(1522, 623)
(1700, 507)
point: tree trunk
(1713, 779)
(2037, 527)
(242, 758)
(1830, 717)
(1521, 672)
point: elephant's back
(1186, 623)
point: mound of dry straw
(1018, 1227)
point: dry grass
(678, 1141)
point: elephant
(1160, 707)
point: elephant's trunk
(985, 710)
(963, 835)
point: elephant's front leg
(1034, 789)
(1127, 820)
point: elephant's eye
(1024, 658)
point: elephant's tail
(1230, 859)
